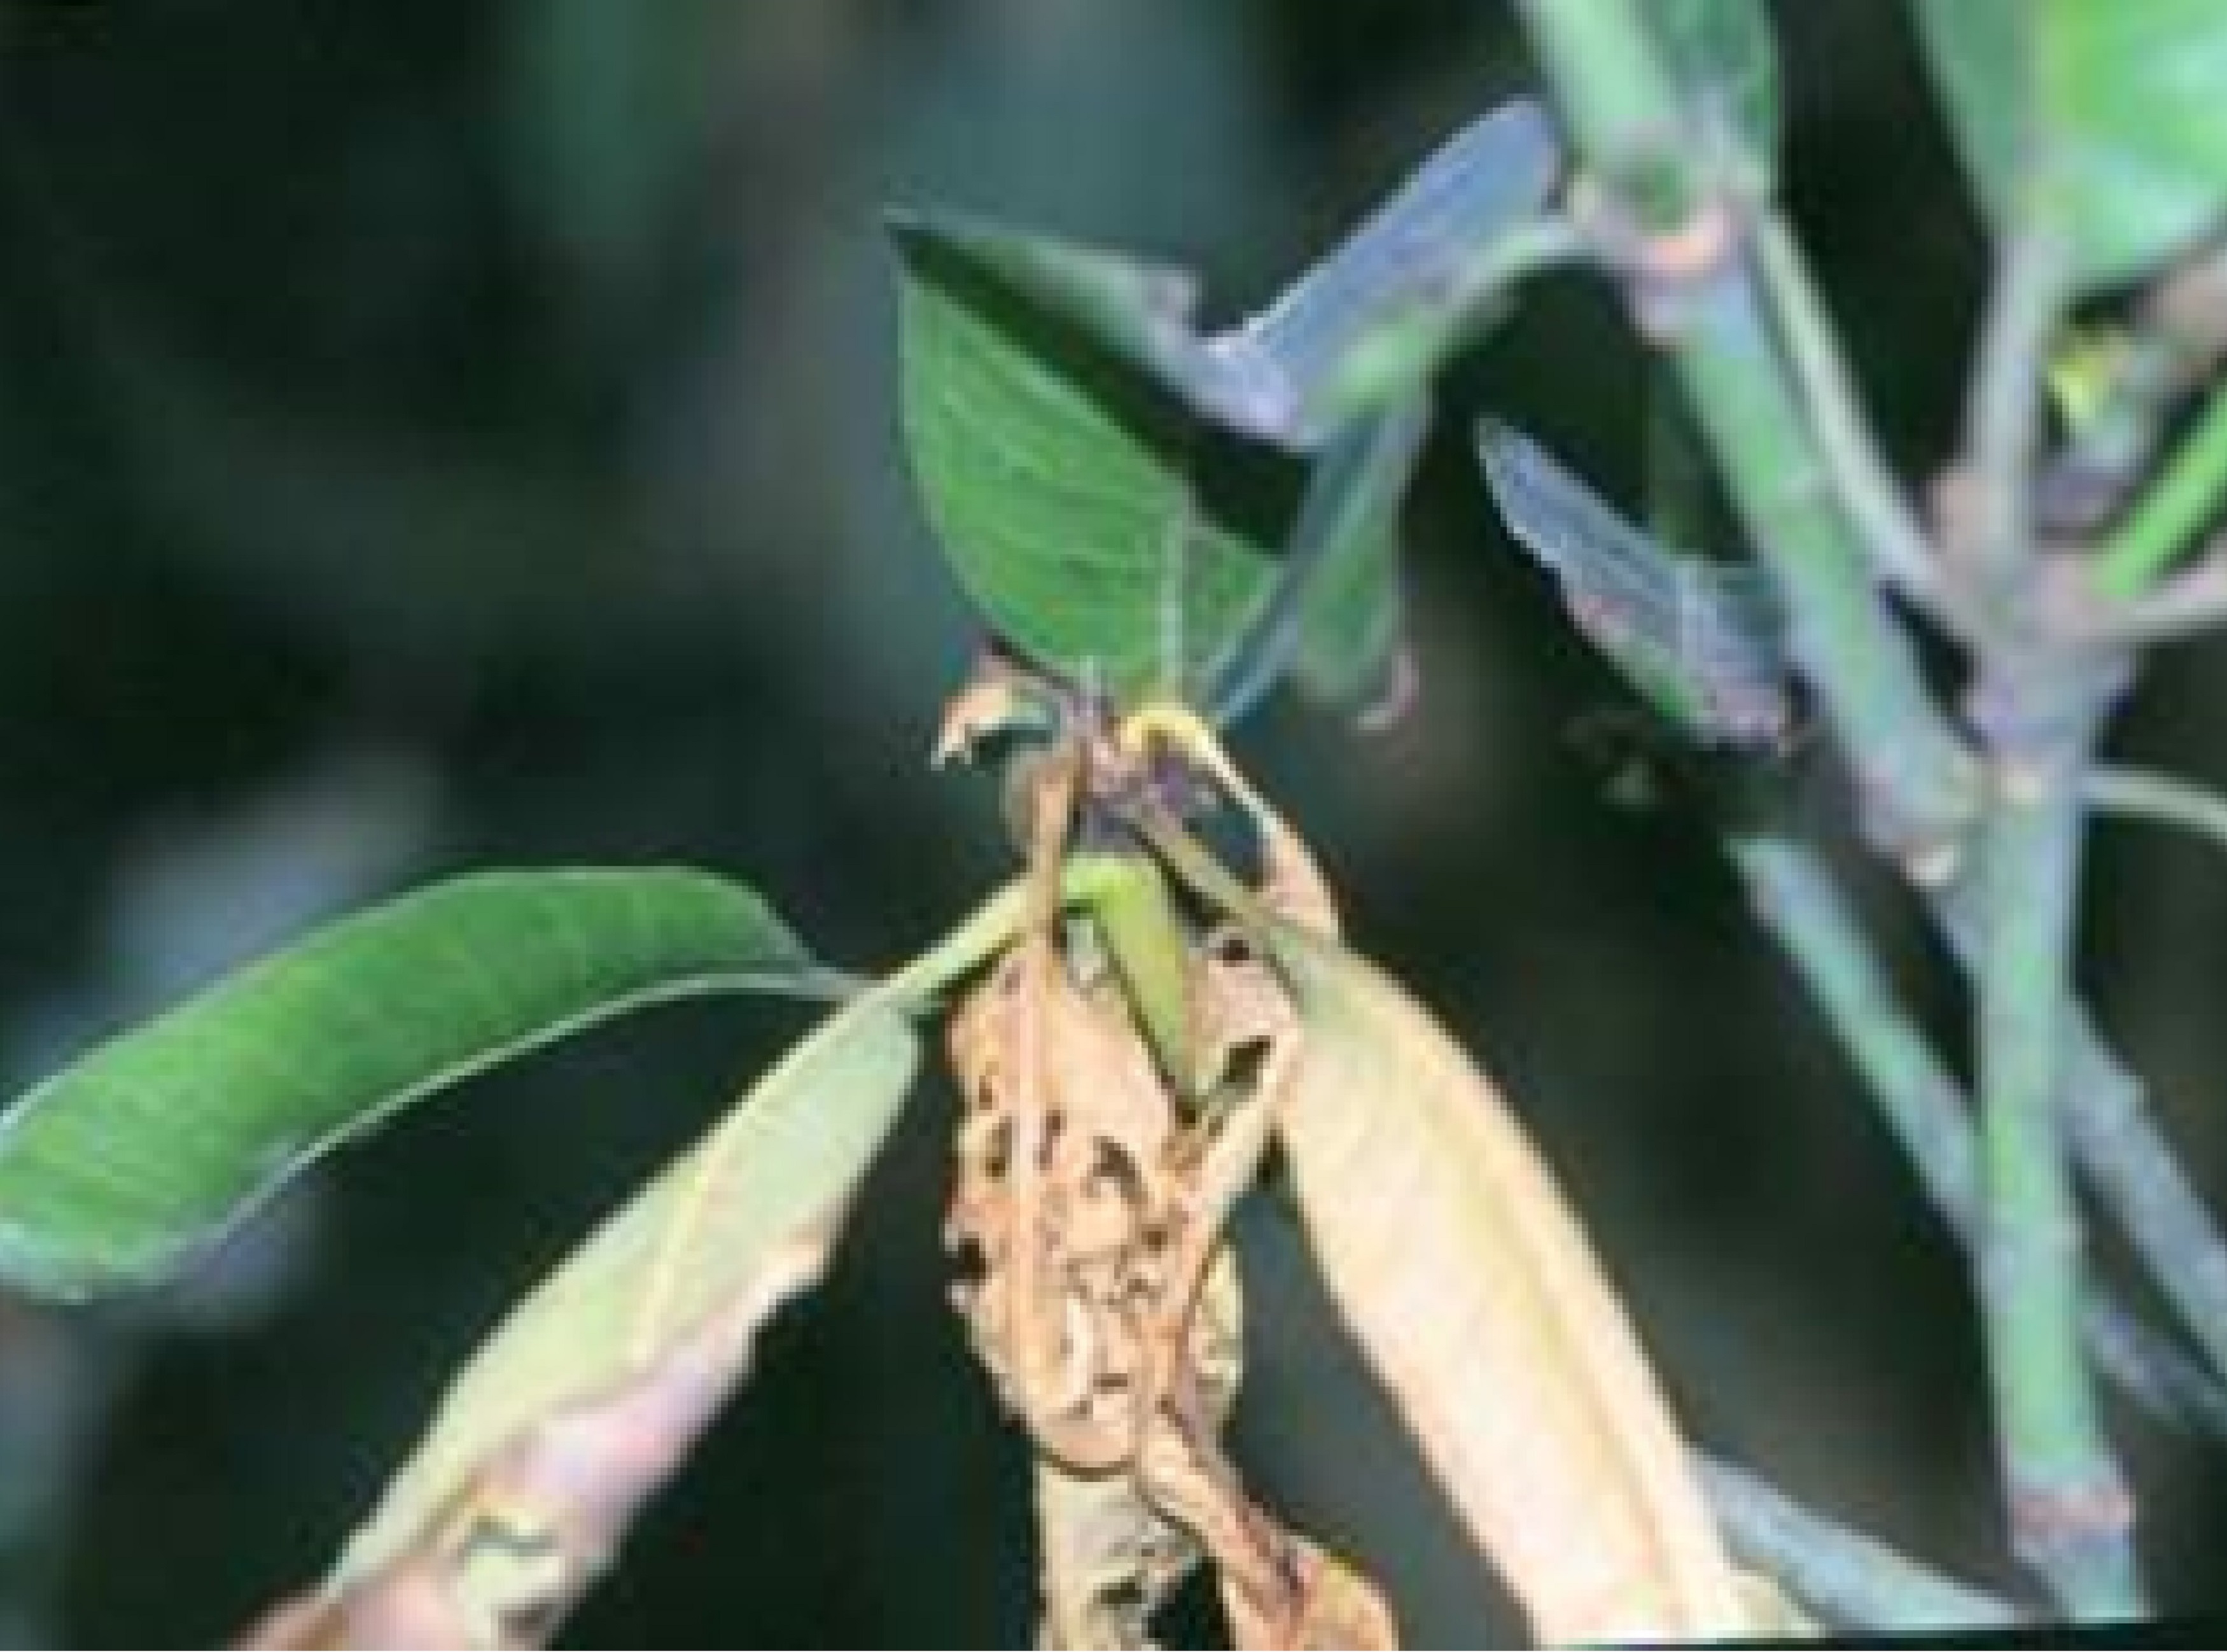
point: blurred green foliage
(450, 435)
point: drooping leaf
(1703, 641)
(595, 1385)
(122, 1168)
(2099, 115)
(1469, 1286)
(1724, 58)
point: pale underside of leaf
(596, 1384)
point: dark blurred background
(456, 433)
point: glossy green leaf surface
(1058, 481)
(1055, 398)
(122, 1168)
(2102, 116)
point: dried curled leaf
(1089, 1204)
(1112, 1558)
(593, 1389)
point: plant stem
(1918, 782)
(2161, 800)
(2141, 1182)
(1843, 1574)
(2023, 311)
(1795, 898)
(1084, 879)
(2165, 521)
(2070, 1512)
(1620, 105)
(2120, 1150)
(1868, 491)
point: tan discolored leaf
(1061, 1152)
(591, 1391)
(1453, 1259)
(1464, 1275)
(1110, 1556)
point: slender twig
(1795, 898)
(2071, 1514)
(2164, 524)
(1868, 491)
(2023, 311)
(2161, 800)
(1838, 1571)
(2122, 1152)
(2176, 606)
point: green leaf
(1336, 607)
(2100, 115)
(1703, 642)
(124, 1168)
(1365, 326)
(1724, 58)
(1371, 322)
(1057, 479)
(594, 1385)
(1055, 397)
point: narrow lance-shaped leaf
(125, 1167)
(1426, 265)
(1376, 318)
(1466, 1280)
(1703, 641)
(596, 1386)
